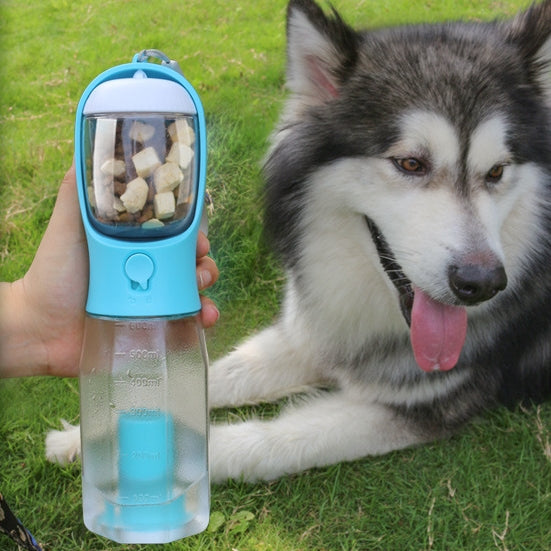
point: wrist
(21, 351)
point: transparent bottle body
(144, 429)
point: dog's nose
(474, 283)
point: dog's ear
(321, 52)
(530, 31)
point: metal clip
(144, 56)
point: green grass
(487, 488)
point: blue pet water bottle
(141, 161)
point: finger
(203, 245)
(209, 312)
(207, 272)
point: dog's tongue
(437, 332)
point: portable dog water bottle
(141, 160)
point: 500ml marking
(140, 354)
(144, 354)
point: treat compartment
(140, 173)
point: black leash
(13, 528)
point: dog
(408, 196)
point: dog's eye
(495, 174)
(411, 166)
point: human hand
(42, 317)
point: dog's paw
(63, 446)
(228, 453)
(245, 451)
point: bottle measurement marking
(143, 412)
(150, 413)
(144, 354)
(146, 382)
(140, 354)
(142, 455)
(136, 325)
(141, 498)
(139, 380)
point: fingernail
(216, 312)
(204, 279)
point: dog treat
(135, 196)
(118, 205)
(146, 213)
(181, 132)
(152, 223)
(146, 161)
(142, 171)
(141, 132)
(167, 177)
(164, 205)
(113, 167)
(181, 154)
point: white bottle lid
(139, 94)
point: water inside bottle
(164, 508)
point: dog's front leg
(268, 366)
(326, 429)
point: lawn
(487, 488)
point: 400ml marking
(139, 380)
(143, 381)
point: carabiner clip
(144, 56)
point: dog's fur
(411, 169)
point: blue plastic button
(139, 268)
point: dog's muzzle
(438, 330)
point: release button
(139, 268)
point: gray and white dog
(408, 194)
